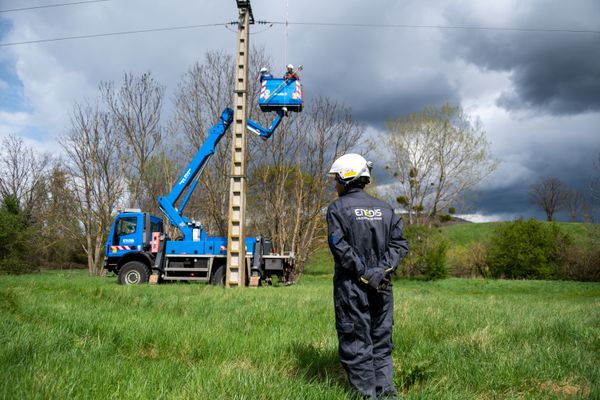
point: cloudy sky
(531, 74)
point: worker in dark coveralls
(366, 239)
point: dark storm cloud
(511, 201)
(515, 203)
(376, 90)
(551, 72)
(373, 102)
(381, 73)
(384, 103)
(574, 167)
(569, 152)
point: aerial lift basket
(278, 93)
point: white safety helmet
(350, 167)
(290, 66)
(263, 70)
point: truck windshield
(127, 226)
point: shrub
(526, 250)
(15, 265)
(593, 232)
(456, 256)
(435, 261)
(469, 261)
(445, 218)
(580, 263)
(427, 253)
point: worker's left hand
(374, 277)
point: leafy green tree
(16, 238)
(526, 250)
(59, 231)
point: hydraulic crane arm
(262, 131)
(189, 178)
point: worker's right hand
(374, 277)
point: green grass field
(65, 335)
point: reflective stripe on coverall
(364, 233)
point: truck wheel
(218, 277)
(133, 273)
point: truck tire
(218, 277)
(133, 273)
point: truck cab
(130, 238)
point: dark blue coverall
(363, 234)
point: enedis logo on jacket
(371, 214)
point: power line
(408, 26)
(355, 25)
(252, 33)
(173, 28)
(52, 5)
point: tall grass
(66, 335)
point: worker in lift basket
(265, 74)
(290, 74)
(367, 242)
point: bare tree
(160, 177)
(595, 181)
(289, 187)
(574, 203)
(22, 171)
(204, 91)
(436, 155)
(549, 193)
(95, 175)
(136, 107)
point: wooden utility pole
(236, 234)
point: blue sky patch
(11, 88)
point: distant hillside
(457, 234)
(462, 234)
